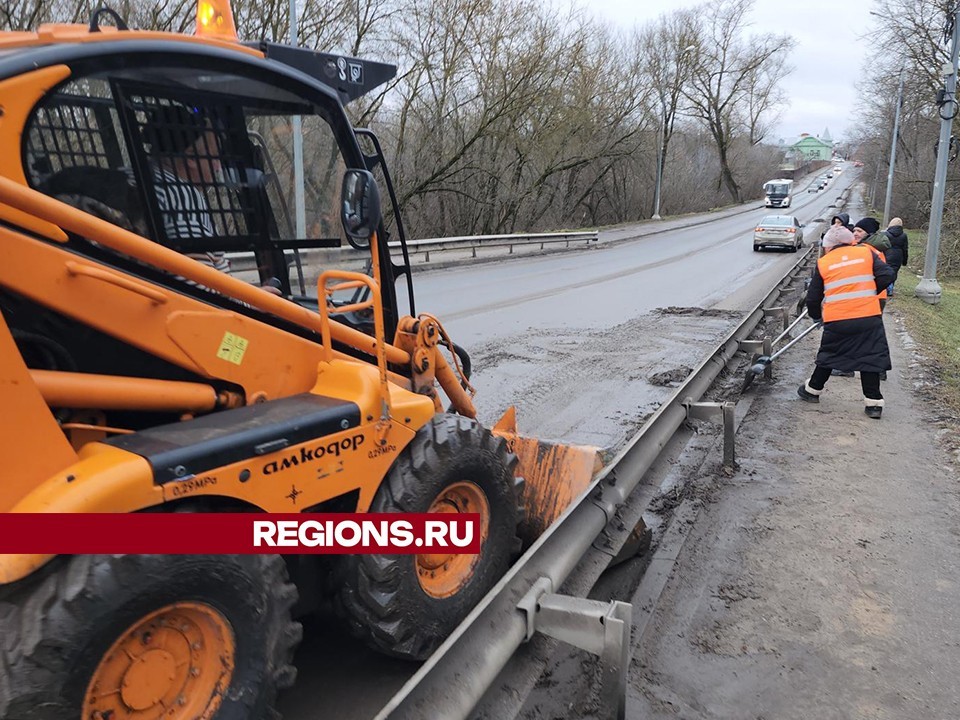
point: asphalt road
(586, 344)
(711, 265)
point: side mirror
(360, 207)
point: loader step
(188, 448)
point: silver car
(782, 231)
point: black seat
(108, 194)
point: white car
(782, 231)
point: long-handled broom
(764, 360)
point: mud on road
(594, 386)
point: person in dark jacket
(867, 231)
(898, 253)
(843, 293)
(841, 219)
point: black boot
(806, 395)
(873, 412)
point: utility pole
(299, 202)
(928, 289)
(661, 159)
(893, 152)
(660, 138)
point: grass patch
(935, 327)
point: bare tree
(763, 98)
(665, 47)
(506, 114)
(728, 69)
(23, 14)
(912, 35)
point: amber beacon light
(215, 20)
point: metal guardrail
(475, 242)
(244, 262)
(454, 679)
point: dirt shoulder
(820, 581)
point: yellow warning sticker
(232, 348)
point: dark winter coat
(844, 218)
(858, 344)
(897, 254)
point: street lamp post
(893, 152)
(928, 289)
(661, 140)
(660, 153)
(299, 202)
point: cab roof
(349, 77)
(57, 33)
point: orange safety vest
(849, 286)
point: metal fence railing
(422, 249)
(475, 242)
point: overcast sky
(827, 60)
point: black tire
(380, 595)
(57, 625)
(756, 248)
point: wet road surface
(586, 345)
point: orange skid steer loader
(139, 374)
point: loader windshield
(199, 161)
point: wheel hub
(148, 679)
(444, 574)
(175, 663)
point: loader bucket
(554, 474)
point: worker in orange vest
(844, 293)
(867, 233)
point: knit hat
(837, 235)
(896, 222)
(871, 225)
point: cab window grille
(78, 127)
(192, 153)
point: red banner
(239, 533)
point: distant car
(829, 174)
(821, 183)
(782, 231)
(838, 169)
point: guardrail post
(511, 249)
(715, 412)
(601, 628)
(781, 311)
(426, 256)
(729, 432)
(768, 351)
(473, 248)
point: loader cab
(195, 151)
